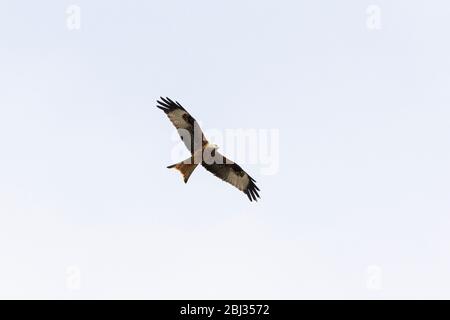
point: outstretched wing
(187, 127)
(232, 173)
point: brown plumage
(204, 153)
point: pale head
(212, 146)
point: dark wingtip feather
(167, 105)
(166, 100)
(252, 190)
(179, 105)
(161, 105)
(163, 109)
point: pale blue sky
(364, 126)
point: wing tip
(252, 192)
(166, 104)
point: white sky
(89, 210)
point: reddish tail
(185, 167)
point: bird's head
(213, 146)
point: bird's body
(205, 153)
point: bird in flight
(203, 152)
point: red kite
(203, 152)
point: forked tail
(186, 167)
